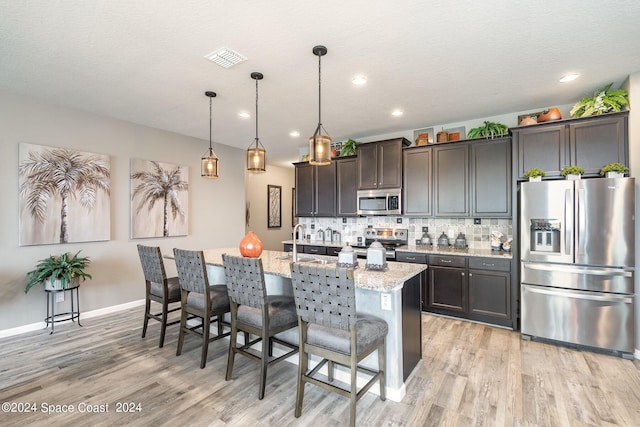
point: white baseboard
(84, 315)
(636, 354)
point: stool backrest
(324, 295)
(152, 265)
(192, 271)
(245, 280)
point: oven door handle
(580, 295)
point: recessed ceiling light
(244, 115)
(359, 80)
(569, 78)
(294, 133)
(396, 113)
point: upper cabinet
(346, 197)
(417, 178)
(315, 190)
(458, 179)
(490, 172)
(380, 164)
(589, 142)
(451, 180)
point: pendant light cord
(210, 112)
(319, 91)
(256, 113)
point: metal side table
(54, 318)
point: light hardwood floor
(470, 374)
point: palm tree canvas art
(159, 199)
(64, 195)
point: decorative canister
(454, 136)
(251, 245)
(442, 136)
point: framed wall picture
(64, 195)
(274, 206)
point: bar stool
(199, 299)
(329, 327)
(159, 288)
(255, 312)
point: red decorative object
(251, 245)
(549, 115)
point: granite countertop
(277, 263)
(419, 249)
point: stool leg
(264, 359)
(382, 366)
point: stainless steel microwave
(379, 202)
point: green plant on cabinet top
(349, 147)
(602, 101)
(488, 130)
(572, 170)
(614, 167)
(63, 268)
(534, 172)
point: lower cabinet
(447, 289)
(417, 258)
(473, 288)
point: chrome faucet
(295, 248)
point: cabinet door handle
(446, 260)
(488, 265)
(462, 274)
(470, 274)
(411, 258)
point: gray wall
(256, 192)
(216, 207)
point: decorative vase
(571, 177)
(56, 285)
(549, 115)
(251, 245)
(615, 174)
(535, 179)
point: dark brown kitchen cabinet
(346, 198)
(447, 288)
(417, 172)
(489, 282)
(589, 142)
(417, 258)
(380, 164)
(315, 190)
(451, 180)
(490, 172)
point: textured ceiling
(438, 61)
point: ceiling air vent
(225, 57)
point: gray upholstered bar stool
(198, 298)
(330, 328)
(159, 288)
(255, 312)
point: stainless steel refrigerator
(577, 241)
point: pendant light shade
(209, 165)
(319, 144)
(256, 154)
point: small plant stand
(54, 318)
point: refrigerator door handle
(582, 222)
(568, 221)
(562, 269)
(581, 295)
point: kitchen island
(393, 295)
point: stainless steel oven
(379, 202)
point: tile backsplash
(478, 235)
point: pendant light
(319, 145)
(209, 165)
(256, 155)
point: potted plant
(535, 174)
(488, 130)
(58, 272)
(572, 172)
(349, 148)
(614, 170)
(602, 101)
